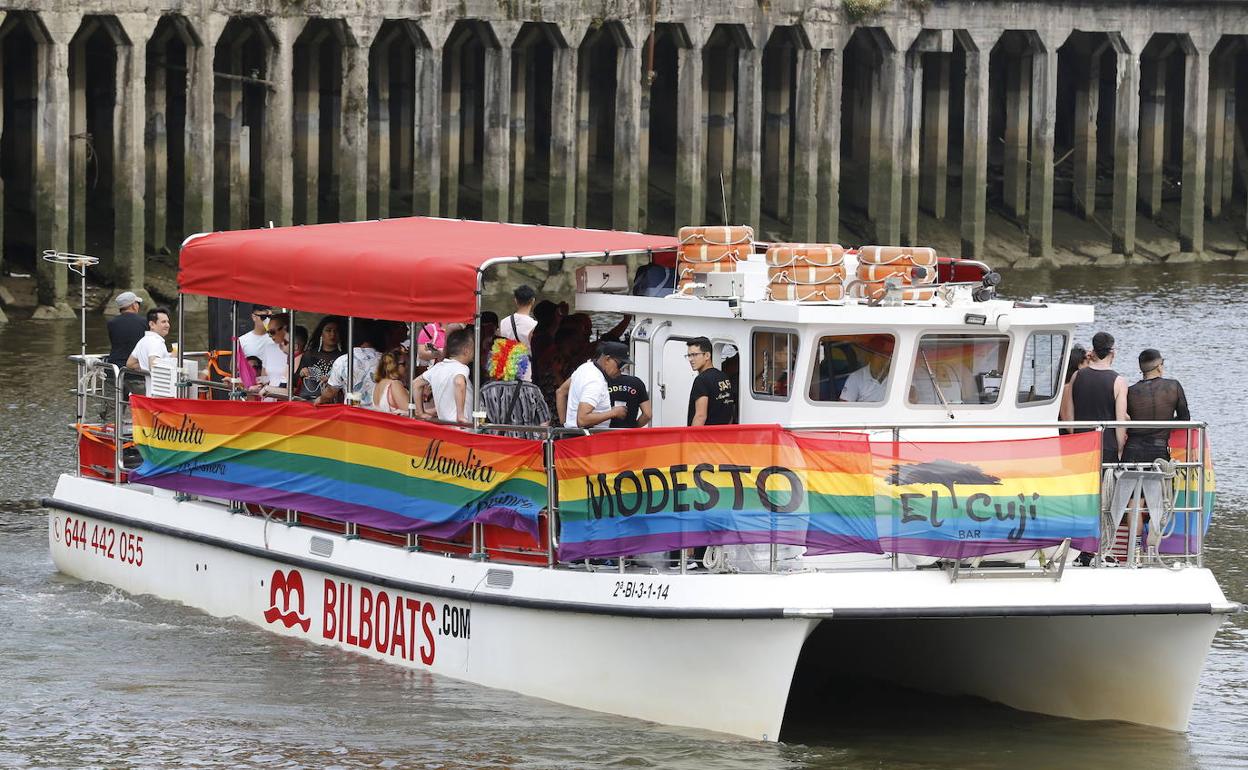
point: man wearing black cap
(1099, 394)
(1153, 398)
(589, 397)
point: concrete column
(307, 131)
(912, 126)
(1152, 133)
(720, 133)
(1126, 143)
(128, 165)
(583, 138)
(278, 126)
(427, 131)
(522, 70)
(156, 158)
(975, 144)
(1195, 138)
(933, 187)
(200, 130)
(236, 166)
(747, 182)
(806, 151)
(1043, 115)
(1219, 75)
(690, 137)
(78, 146)
(379, 149)
(564, 184)
(777, 131)
(1018, 103)
(1228, 131)
(52, 160)
(1087, 103)
(887, 160)
(31, 79)
(496, 155)
(645, 94)
(626, 194)
(452, 130)
(829, 140)
(353, 139)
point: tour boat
(927, 534)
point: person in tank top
(390, 391)
(1098, 393)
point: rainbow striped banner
(661, 489)
(664, 489)
(959, 500)
(1182, 538)
(340, 462)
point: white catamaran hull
(642, 645)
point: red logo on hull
(290, 586)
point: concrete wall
(1022, 133)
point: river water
(92, 677)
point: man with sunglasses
(253, 341)
(1155, 397)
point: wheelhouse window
(959, 369)
(852, 368)
(773, 357)
(1044, 366)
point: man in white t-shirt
(255, 340)
(588, 396)
(364, 362)
(151, 345)
(519, 325)
(868, 384)
(450, 380)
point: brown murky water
(92, 677)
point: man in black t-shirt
(126, 328)
(713, 398)
(631, 392)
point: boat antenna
(723, 197)
(935, 386)
(77, 263)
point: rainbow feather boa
(509, 360)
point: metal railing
(1188, 476)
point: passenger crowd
(542, 365)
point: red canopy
(412, 269)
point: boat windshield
(959, 369)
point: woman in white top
(390, 392)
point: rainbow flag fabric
(662, 489)
(1182, 539)
(971, 499)
(340, 462)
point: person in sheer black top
(1155, 397)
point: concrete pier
(987, 131)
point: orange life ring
(803, 254)
(876, 290)
(903, 268)
(794, 292)
(807, 274)
(887, 255)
